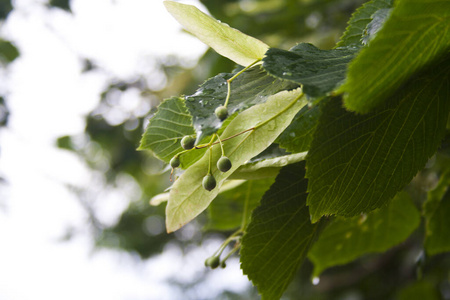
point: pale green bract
(188, 198)
(229, 42)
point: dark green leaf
(226, 211)
(419, 290)
(416, 34)
(250, 88)
(359, 22)
(279, 234)
(347, 239)
(298, 136)
(358, 162)
(166, 129)
(319, 71)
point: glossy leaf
(226, 211)
(279, 234)
(166, 128)
(359, 162)
(416, 34)
(359, 21)
(252, 87)
(227, 41)
(299, 135)
(319, 71)
(188, 198)
(344, 240)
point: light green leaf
(188, 198)
(416, 34)
(279, 234)
(359, 162)
(171, 122)
(344, 240)
(227, 41)
(226, 211)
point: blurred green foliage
(109, 146)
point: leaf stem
(234, 77)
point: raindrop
(315, 280)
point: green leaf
(171, 122)
(416, 34)
(437, 210)
(299, 135)
(359, 21)
(359, 162)
(279, 234)
(267, 167)
(252, 87)
(319, 71)
(344, 240)
(226, 211)
(419, 290)
(187, 196)
(229, 42)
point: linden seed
(209, 182)
(224, 164)
(175, 162)
(187, 142)
(221, 112)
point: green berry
(221, 112)
(224, 164)
(209, 182)
(187, 142)
(213, 262)
(175, 162)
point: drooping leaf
(187, 196)
(437, 210)
(252, 87)
(347, 239)
(226, 211)
(299, 135)
(227, 41)
(319, 71)
(419, 290)
(416, 34)
(359, 162)
(359, 21)
(279, 234)
(166, 128)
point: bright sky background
(48, 97)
